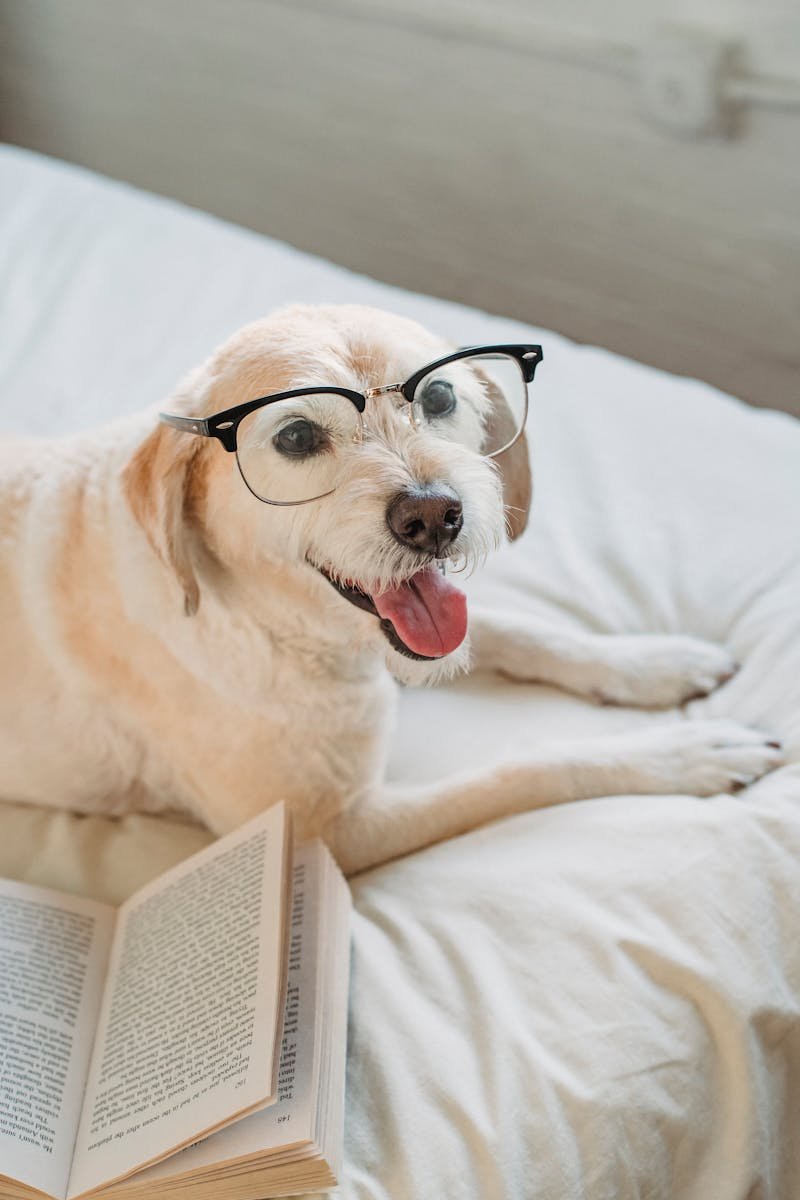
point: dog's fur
(166, 640)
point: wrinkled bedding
(597, 1001)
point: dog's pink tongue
(428, 613)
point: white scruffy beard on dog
(350, 539)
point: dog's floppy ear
(157, 485)
(514, 464)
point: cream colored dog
(168, 641)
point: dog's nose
(428, 519)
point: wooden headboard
(465, 149)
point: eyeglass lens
(480, 400)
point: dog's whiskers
(387, 572)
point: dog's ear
(157, 483)
(514, 464)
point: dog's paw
(704, 758)
(655, 671)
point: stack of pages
(191, 1041)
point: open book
(192, 1040)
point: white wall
(493, 152)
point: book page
(190, 1018)
(291, 1119)
(54, 951)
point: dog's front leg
(641, 670)
(698, 758)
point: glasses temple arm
(197, 425)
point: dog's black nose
(427, 519)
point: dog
(173, 638)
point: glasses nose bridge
(397, 388)
(384, 391)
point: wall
(483, 151)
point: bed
(601, 1000)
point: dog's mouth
(424, 618)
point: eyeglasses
(292, 447)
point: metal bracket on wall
(683, 73)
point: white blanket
(597, 1001)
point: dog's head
(394, 500)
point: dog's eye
(301, 439)
(438, 398)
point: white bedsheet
(599, 1001)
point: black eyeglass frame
(224, 425)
